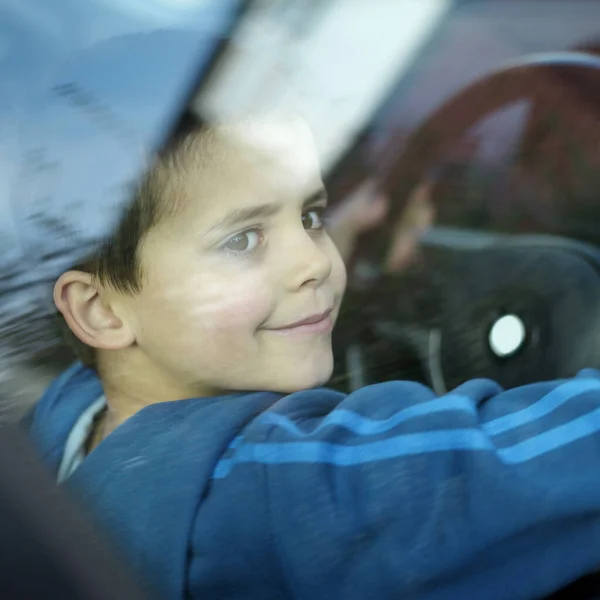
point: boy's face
(227, 279)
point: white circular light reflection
(507, 335)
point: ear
(90, 316)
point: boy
(200, 439)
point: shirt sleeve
(394, 492)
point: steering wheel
(515, 308)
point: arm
(396, 493)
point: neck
(131, 382)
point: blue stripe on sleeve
(553, 439)
(362, 425)
(543, 407)
(340, 455)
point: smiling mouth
(320, 323)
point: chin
(304, 379)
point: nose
(308, 263)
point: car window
(489, 103)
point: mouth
(318, 323)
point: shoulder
(323, 426)
(146, 482)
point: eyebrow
(263, 211)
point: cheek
(238, 310)
(193, 310)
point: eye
(313, 219)
(244, 242)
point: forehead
(250, 162)
(285, 142)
